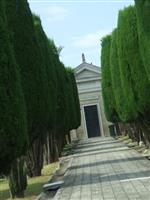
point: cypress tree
(49, 65)
(35, 158)
(70, 102)
(62, 127)
(130, 111)
(115, 76)
(33, 78)
(13, 130)
(143, 19)
(77, 123)
(140, 86)
(71, 106)
(136, 70)
(108, 96)
(74, 115)
(133, 59)
(60, 78)
(28, 56)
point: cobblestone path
(103, 168)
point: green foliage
(13, 135)
(143, 19)
(48, 56)
(70, 102)
(130, 111)
(134, 62)
(62, 99)
(77, 123)
(107, 90)
(132, 95)
(73, 101)
(50, 91)
(29, 58)
(67, 150)
(115, 76)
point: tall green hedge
(143, 19)
(73, 101)
(130, 111)
(77, 122)
(48, 57)
(115, 76)
(141, 86)
(35, 158)
(107, 90)
(62, 99)
(13, 127)
(29, 58)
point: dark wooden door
(92, 121)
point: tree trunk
(46, 154)
(61, 141)
(48, 149)
(122, 127)
(51, 148)
(131, 132)
(17, 178)
(34, 158)
(69, 137)
(146, 132)
(137, 133)
(54, 152)
(117, 129)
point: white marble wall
(89, 89)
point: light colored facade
(93, 121)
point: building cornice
(88, 79)
(86, 65)
(89, 98)
(89, 90)
(88, 68)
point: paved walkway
(103, 168)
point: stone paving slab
(106, 169)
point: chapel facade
(93, 120)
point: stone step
(52, 186)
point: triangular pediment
(86, 73)
(86, 70)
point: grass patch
(34, 184)
(127, 141)
(67, 150)
(123, 138)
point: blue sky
(78, 25)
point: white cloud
(53, 13)
(88, 44)
(90, 39)
(57, 13)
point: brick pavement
(105, 169)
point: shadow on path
(82, 146)
(97, 149)
(85, 178)
(132, 159)
(98, 141)
(102, 152)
